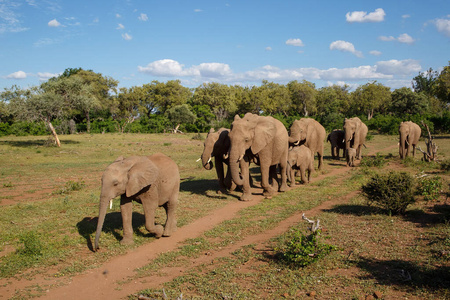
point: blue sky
(231, 42)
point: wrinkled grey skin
(336, 139)
(217, 145)
(350, 155)
(409, 135)
(300, 158)
(267, 139)
(310, 133)
(355, 132)
(151, 180)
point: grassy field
(49, 204)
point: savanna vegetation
(84, 101)
(49, 204)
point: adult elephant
(409, 136)
(310, 133)
(355, 132)
(267, 139)
(217, 145)
(336, 139)
(151, 180)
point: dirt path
(107, 281)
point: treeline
(84, 101)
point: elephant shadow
(202, 187)
(113, 225)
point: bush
(32, 245)
(373, 161)
(392, 192)
(429, 187)
(445, 165)
(302, 250)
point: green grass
(54, 193)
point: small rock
(312, 294)
(378, 295)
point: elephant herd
(154, 180)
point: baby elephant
(152, 181)
(300, 158)
(350, 155)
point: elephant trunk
(402, 146)
(348, 140)
(104, 201)
(206, 158)
(294, 139)
(234, 167)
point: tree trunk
(54, 134)
(88, 122)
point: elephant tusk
(209, 160)
(198, 159)
(241, 157)
(296, 143)
(225, 156)
(110, 203)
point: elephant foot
(127, 241)
(168, 230)
(269, 194)
(283, 187)
(246, 197)
(157, 231)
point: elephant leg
(320, 156)
(245, 173)
(413, 150)
(358, 153)
(220, 177)
(283, 170)
(150, 204)
(229, 183)
(273, 178)
(171, 221)
(292, 175)
(268, 190)
(126, 210)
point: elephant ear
(264, 134)
(142, 174)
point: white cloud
(127, 37)
(143, 17)
(375, 53)
(295, 42)
(363, 16)
(405, 38)
(402, 38)
(443, 26)
(120, 26)
(118, 16)
(46, 75)
(345, 47)
(398, 67)
(197, 10)
(406, 16)
(54, 23)
(212, 70)
(172, 68)
(17, 75)
(269, 48)
(164, 67)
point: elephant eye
(115, 182)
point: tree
(39, 104)
(303, 97)
(218, 96)
(275, 99)
(180, 114)
(405, 101)
(124, 109)
(425, 82)
(371, 97)
(332, 100)
(442, 87)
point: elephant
(217, 144)
(310, 133)
(153, 181)
(350, 155)
(336, 139)
(355, 132)
(300, 158)
(409, 136)
(266, 138)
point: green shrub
(32, 245)
(429, 187)
(300, 250)
(393, 191)
(373, 161)
(445, 165)
(71, 186)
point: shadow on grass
(405, 273)
(112, 224)
(437, 214)
(35, 143)
(356, 210)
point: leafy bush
(71, 186)
(393, 191)
(32, 245)
(429, 187)
(445, 165)
(384, 124)
(373, 161)
(302, 250)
